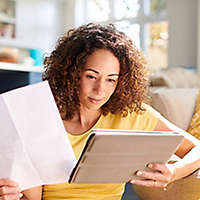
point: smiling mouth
(95, 101)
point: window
(126, 9)
(144, 21)
(157, 45)
(98, 10)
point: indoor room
(167, 32)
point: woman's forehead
(103, 60)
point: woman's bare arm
(189, 151)
(185, 146)
(32, 194)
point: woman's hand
(159, 176)
(9, 190)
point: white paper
(34, 146)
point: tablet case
(112, 156)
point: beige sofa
(175, 77)
(177, 105)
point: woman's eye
(90, 76)
(112, 80)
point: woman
(98, 79)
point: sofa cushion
(177, 104)
(175, 77)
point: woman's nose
(99, 87)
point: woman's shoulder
(147, 110)
(146, 119)
(150, 110)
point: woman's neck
(82, 121)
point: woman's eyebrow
(89, 69)
(113, 74)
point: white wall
(182, 15)
(39, 22)
(68, 10)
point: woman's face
(99, 79)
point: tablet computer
(113, 156)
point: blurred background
(166, 31)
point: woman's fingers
(149, 183)
(9, 190)
(159, 176)
(8, 182)
(159, 167)
(11, 196)
(152, 176)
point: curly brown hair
(65, 64)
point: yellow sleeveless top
(145, 121)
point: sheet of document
(34, 146)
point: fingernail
(150, 165)
(139, 173)
(132, 181)
(20, 195)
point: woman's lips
(94, 100)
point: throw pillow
(194, 127)
(177, 104)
